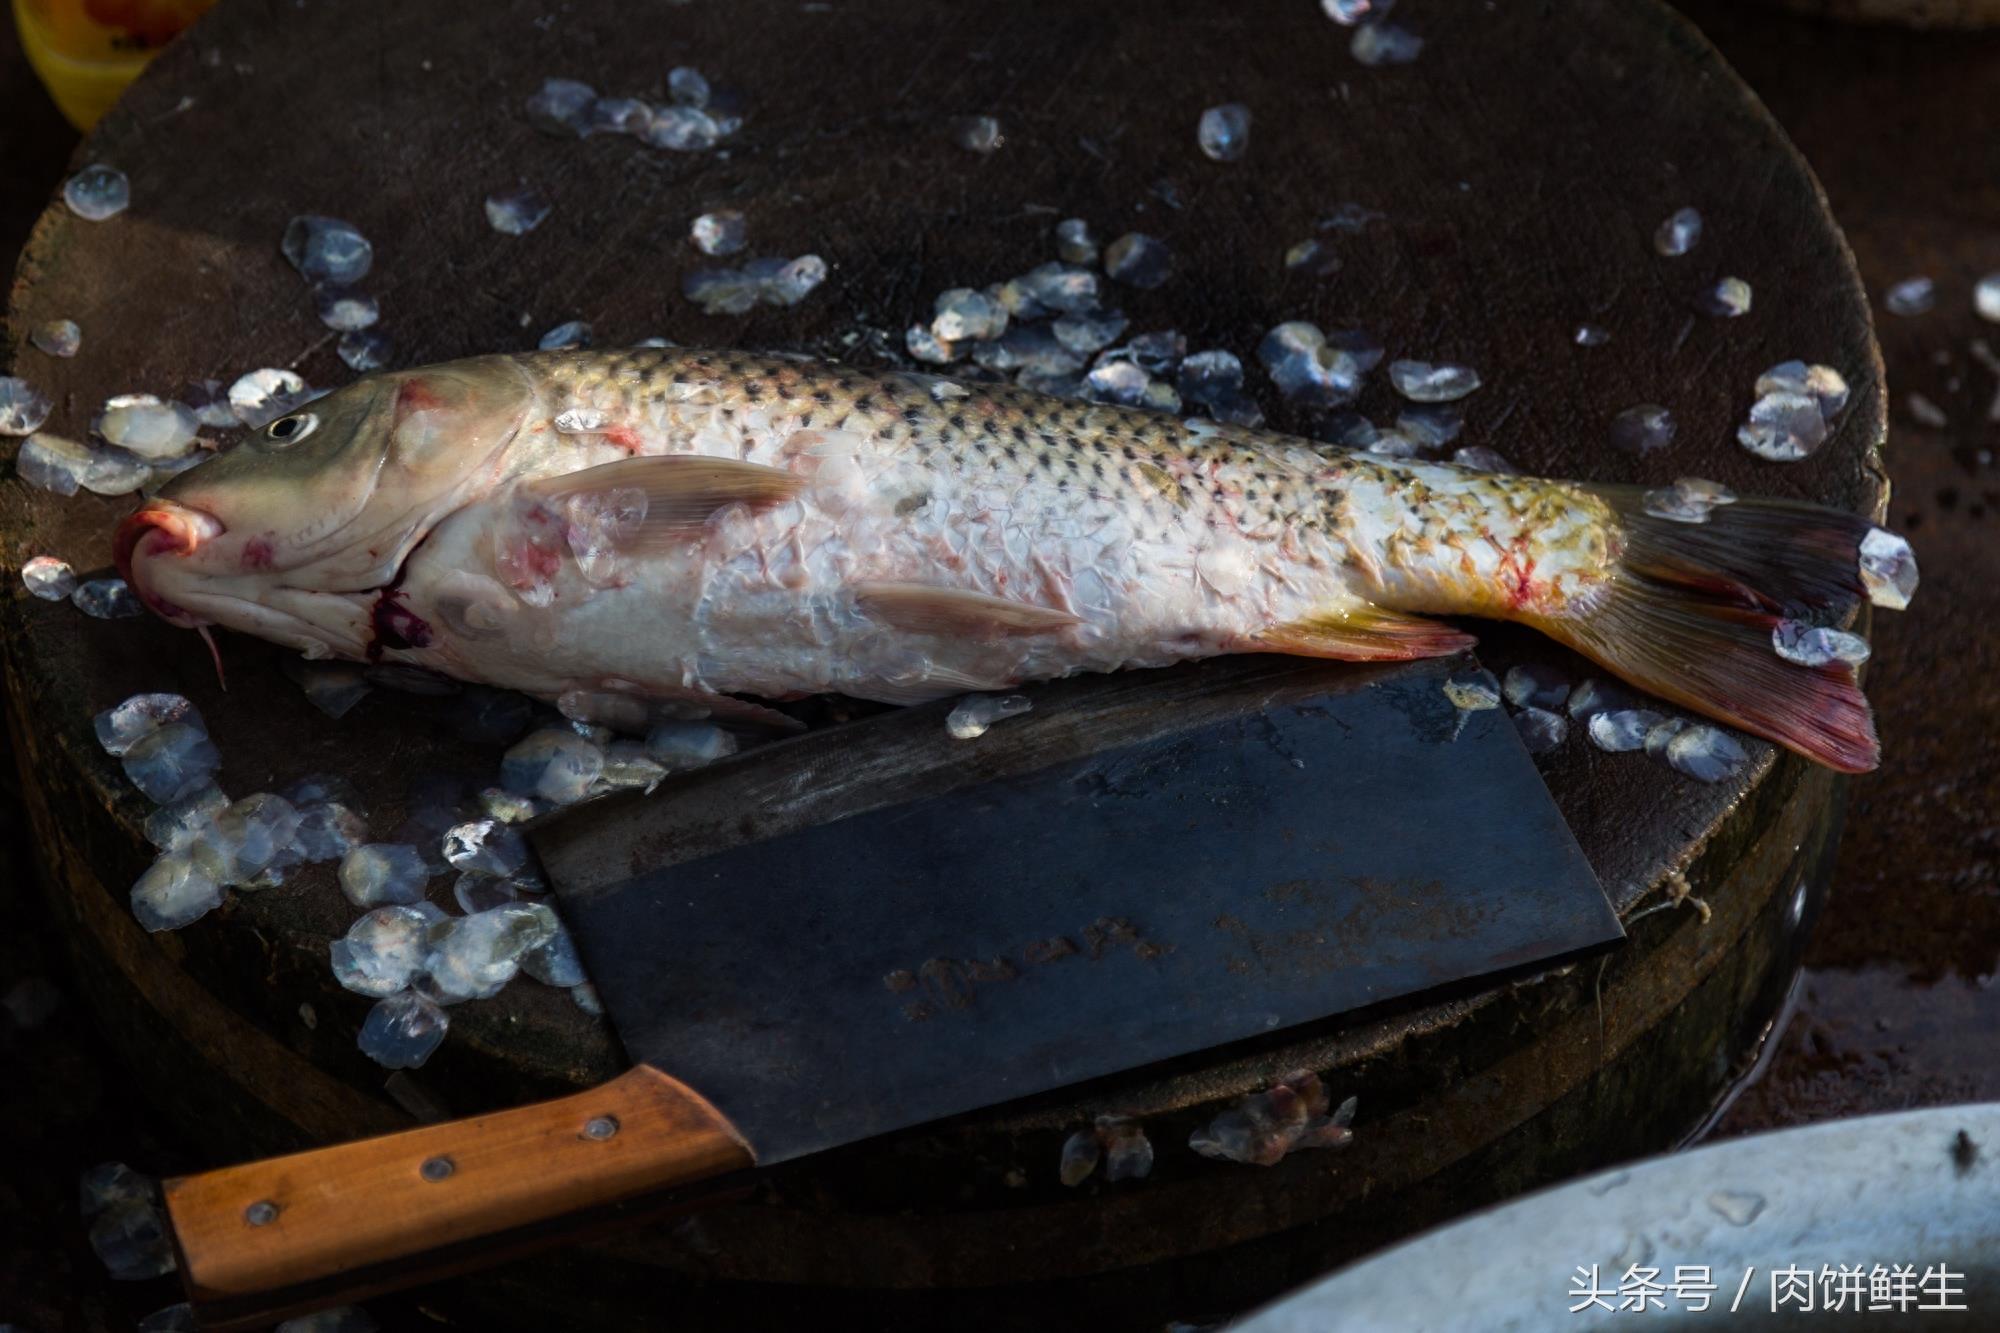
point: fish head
(292, 533)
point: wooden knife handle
(322, 1227)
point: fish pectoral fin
(923, 609)
(682, 490)
(635, 705)
(1364, 634)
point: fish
(661, 532)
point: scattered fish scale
(975, 714)
(365, 350)
(375, 874)
(174, 892)
(1473, 693)
(562, 107)
(248, 839)
(171, 760)
(262, 396)
(1822, 383)
(1121, 382)
(1077, 244)
(1911, 296)
(23, 407)
(345, 310)
(1432, 425)
(619, 115)
(173, 827)
(327, 250)
(1138, 260)
(97, 192)
(687, 87)
(1621, 730)
(1986, 297)
(1534, 686)
(679, 746)
(1306, 368)
(1888, 569)
(1266, 1127)
(1422, 382)
(682, 129)
(573, 333)
(553, 765)
(121, 727)
(57, 337)
(1816, 646)
(1128, 1153)
(1313, 257)
(381, 951)
(1348, 13)
(1596, 695)
(106, 599)
(723, 232)
(48, 578)
(486, 847)
(1727, 299)
(1479, 458)
(334, 688)
(628, 767)
(1053, 286)
(1080, 1154)
(1688, 500)
(1705, 753)
(772, 281)
(1662, 735)
(1541, 730)
(965, 315)
(1224, 132)
(474, 957)
(977, 134)
(1385, 44)
(131, 1238)
(1087, 334)
(1592, 335)
(1679, 234)
(555, 961)
(328, 831)
(148, 427)
(1783, 427)
(403, 1030)
(518, 211)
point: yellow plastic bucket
(87, 51)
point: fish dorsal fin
(681, 490)
(1364, 634)
(923, 609)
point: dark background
(1899, 1004)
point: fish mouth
(160, 528)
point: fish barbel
(665, 528)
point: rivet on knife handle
(270, 1234)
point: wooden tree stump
(1519, 168)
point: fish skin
(1165, 541)
(1126, 538)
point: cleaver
(876, 926)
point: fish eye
(291, 429)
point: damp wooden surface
(1520, 167)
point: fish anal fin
(682, 491)
(1364, 634)
(921, 608)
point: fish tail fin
(1689, 611)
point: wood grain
(328, 1224)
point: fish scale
(685, 526)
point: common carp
(667, 528)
